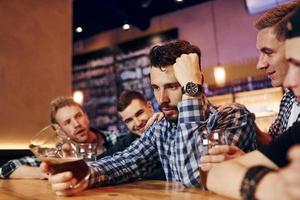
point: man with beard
(175, 141)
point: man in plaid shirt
(271, 44)
(74, 123)
(176, 80)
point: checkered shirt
(12, 165)
(177, 146)
(281, 122)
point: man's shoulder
(129, 137)
(287, 97)
(157, 127)
(233, 108)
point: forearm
(235, 173)
(188, 158)
(271, 188)
(187, 139)
(226, 178)
(110, 171)
(231, 174)
(134, 162)
(26, 172)
(8, 168)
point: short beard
(170, 119)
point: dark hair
(164, 55)
(293, 27)
(61, 102)
(126, 98)
(276, 18)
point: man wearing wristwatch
(174, 141)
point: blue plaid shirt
(12, 165)
(177, 146)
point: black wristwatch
(192, 89)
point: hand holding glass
(47, 147)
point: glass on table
(47, 146)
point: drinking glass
(87, 150)
(207, 141)
(204, 147)
(46, 145)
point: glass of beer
(47, 146)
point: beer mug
(47, 144)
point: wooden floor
(145, 190)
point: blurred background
(94, 49)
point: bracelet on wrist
(251, 179)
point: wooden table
(145, 190)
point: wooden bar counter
(147, 190)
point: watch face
(191, 88)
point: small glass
(204, 147)
(208, 140)
(47, 146)
(88, 151)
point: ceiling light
(78, 96)
(219, 71)
(179, 1)
(157, 40)
(220, 75)
(78, 29)
(146, 3)
(126, 26)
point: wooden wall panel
(35, 65)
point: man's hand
(283, 184)
(63, 184)
(219, 154)
(291, 174)
(187, 69)
(69, 149)
(28, 172)
(261, 137)
(155, 117)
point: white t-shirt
(294, 114)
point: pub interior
(82, 49)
